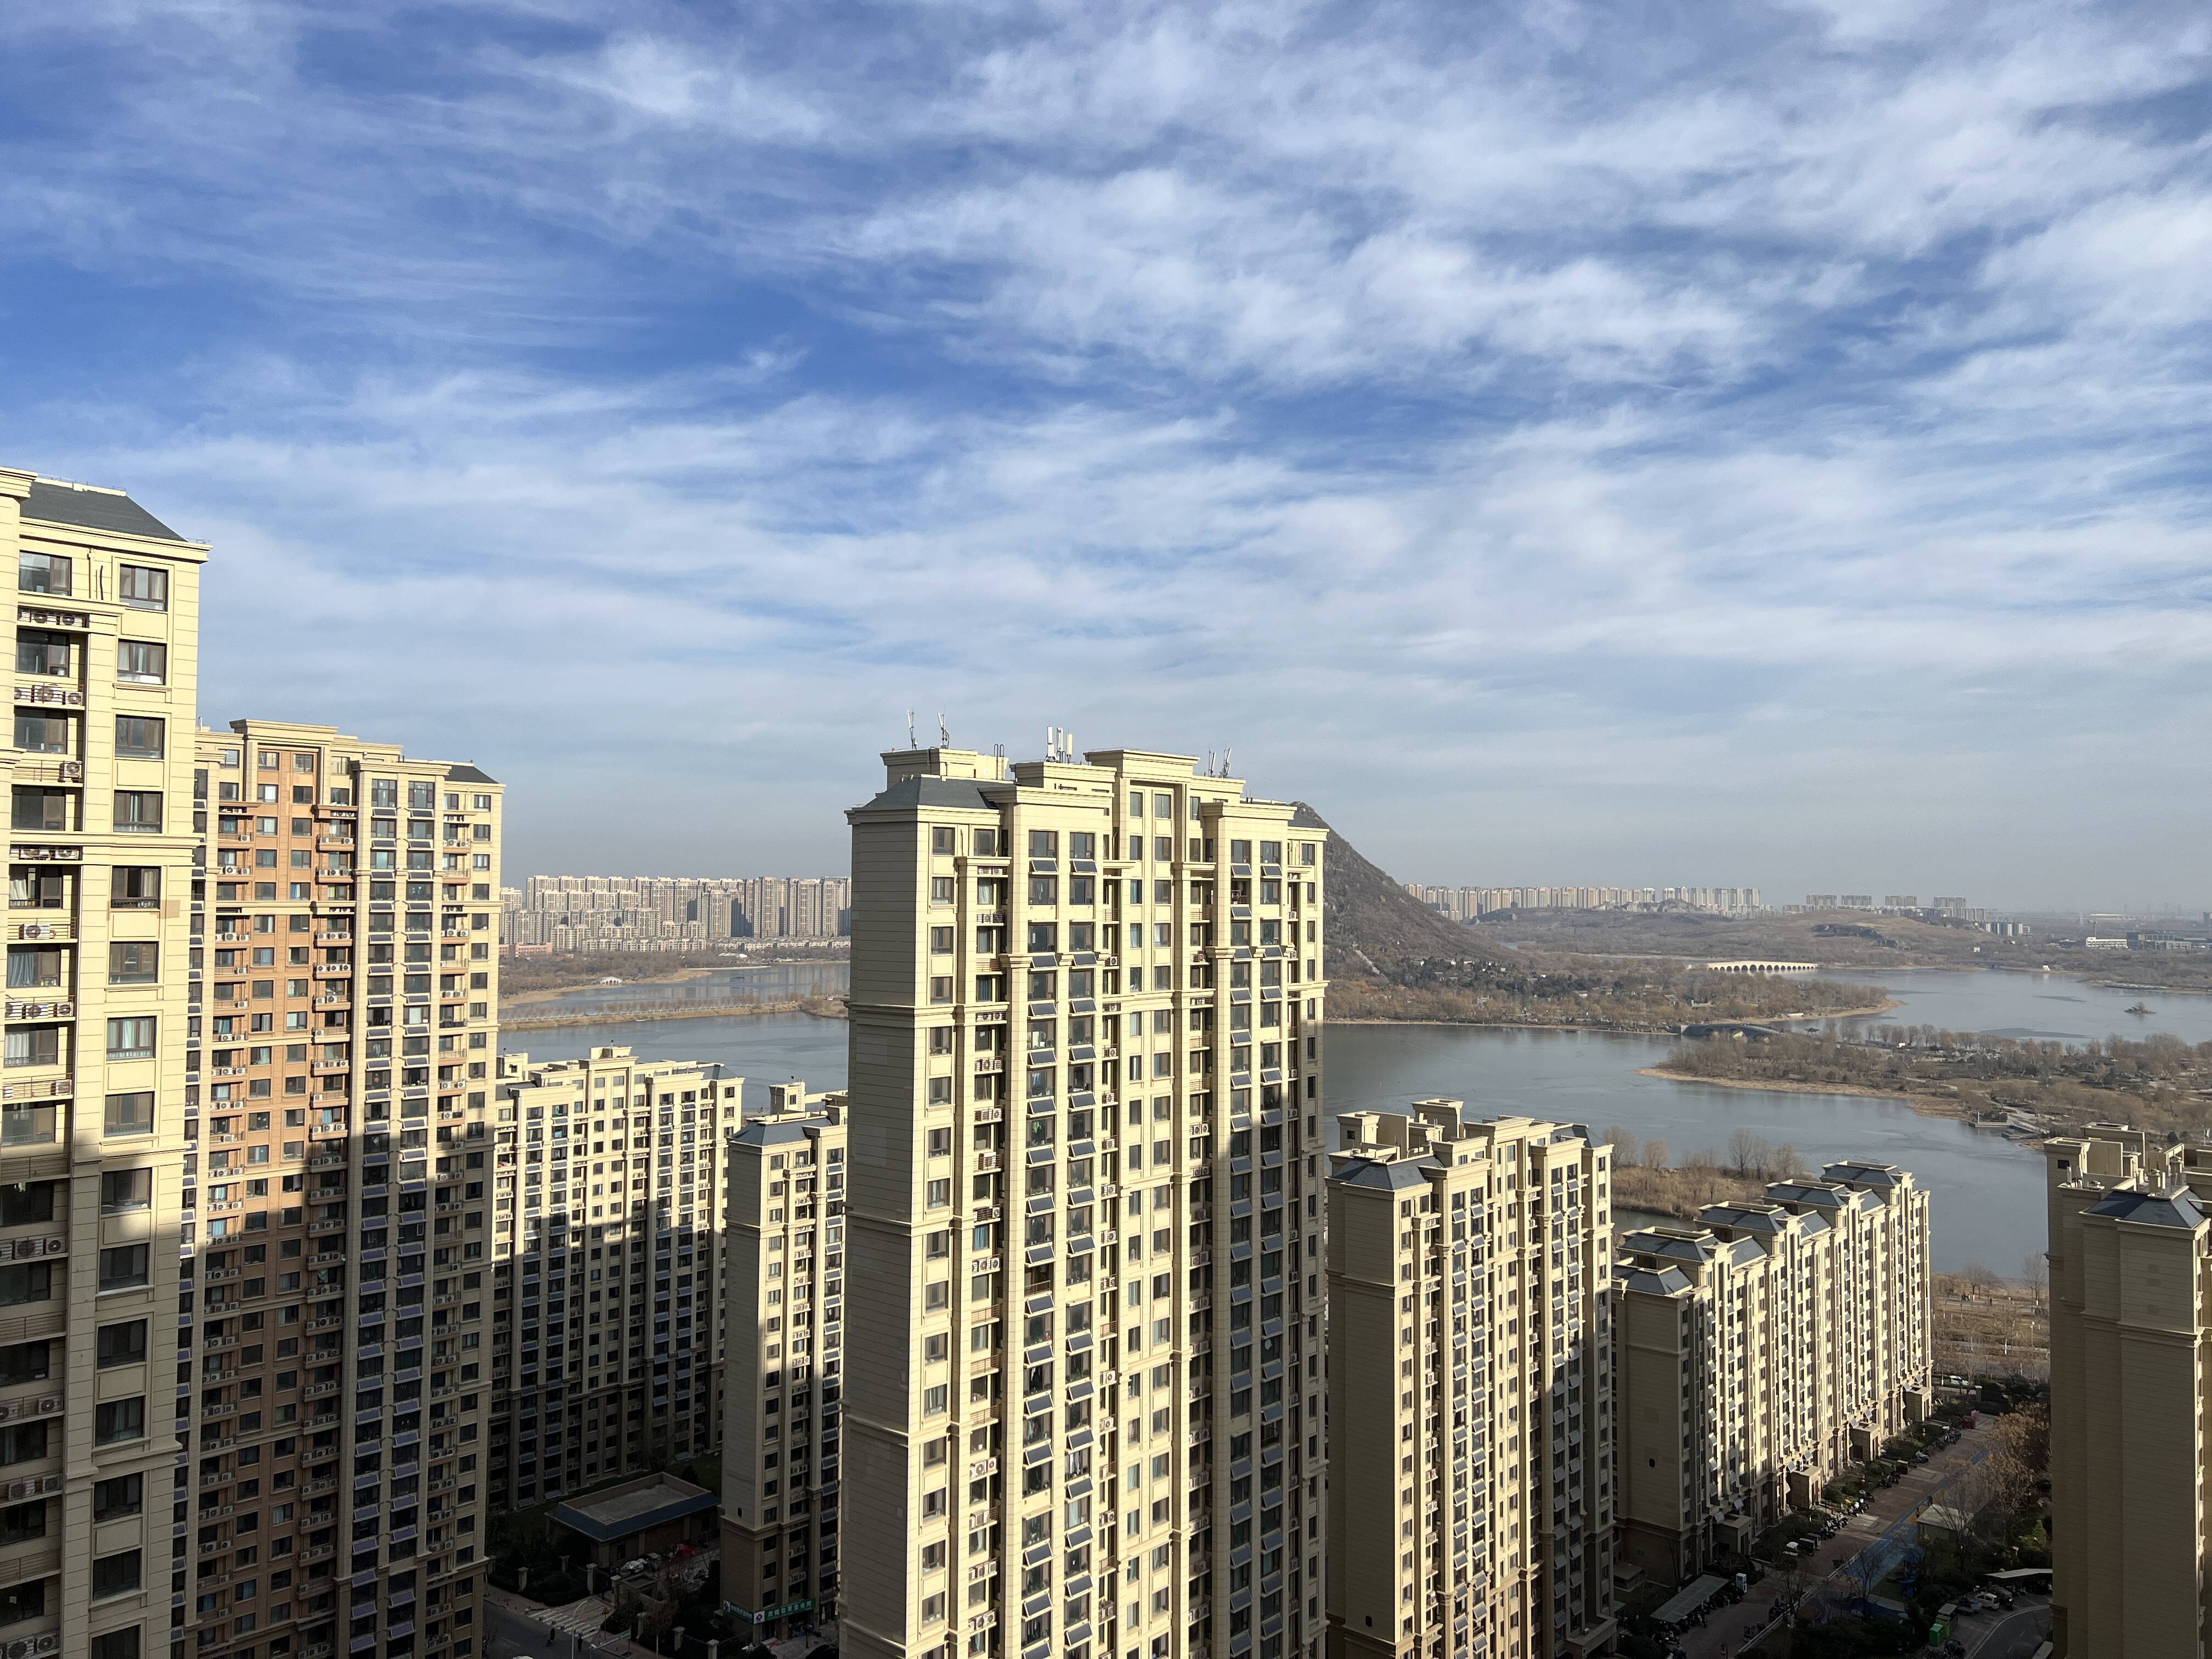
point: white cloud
(1796, 394)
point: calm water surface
(1988, 1193)
(2045, 1007)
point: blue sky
(1719, 442)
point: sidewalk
(1727, 1630)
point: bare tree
(2035, 1269)
(1654, 1154)
(1626, 1148)
(1980, 1276)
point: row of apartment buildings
(1269, 1398)
(1467, 904)
(253, 1090)
(657, 913)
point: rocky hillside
(1374, 926)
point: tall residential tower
(1082, 1412)
(334, 1375)
(100, 873)
(1470, 1376)
(2130, 1375)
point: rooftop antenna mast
(909, 728)
(943, 732)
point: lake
(1988, 1193)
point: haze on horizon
(1747, 444)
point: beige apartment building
(608, 1301)
(784, 1259)
(1761, 1350)
(100, 864)
(1470, 1382)
(1083, 1413)
(334, 1384)
(2130, 1338)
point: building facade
(1083, 1413)
(334, 1383)
(606, 1337)
(2130, 1244)
(93, 1123)
(1761, 1350)
(1470, 1382)
(783, 1371)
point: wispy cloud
(1753, 439)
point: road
(1724, 1634)
(513, 1636)
(2015, 1635)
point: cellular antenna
(909, 728)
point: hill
(1375, 926)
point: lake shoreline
(1883, 1007)
(1926, 1105)
(809, 1006)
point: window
(1044, 843)
(142, 662)
(115, 1575)
(42, 573)
(115, 1420)
(27, 1203)
(133, 962)
(940, 838)
(139, 737)
(40, 651)
(130, 1038)
(28, 1123)
(144, 586)
(123, 1266)
(135, 887)
(116, 1643)
(940, 941)
(138, 811)
(131, 1114)
(25, 1282)
(123, 1344)
(45, 734)
(37, 967)
(34, 1045)
(114, 1499)
(125, 1189)
(41, 809)
(940, 890)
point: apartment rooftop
(88, 506)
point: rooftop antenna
(1224, 762)
(943, 732)
(909, 728)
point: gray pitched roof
(2151, 1209)
(94, 509)
(468, 774)
(929, 792)
(1669, 1281)
(1396, 1175)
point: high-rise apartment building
(1470, 1384)
(1083, 1406)
(606, 1337)
(1761, 1350)
(784, 1257)
(2130, 1374)
(334, 1384)
(101, 871)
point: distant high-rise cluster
(1944, 907)
(1466, 904)
(671, 913)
